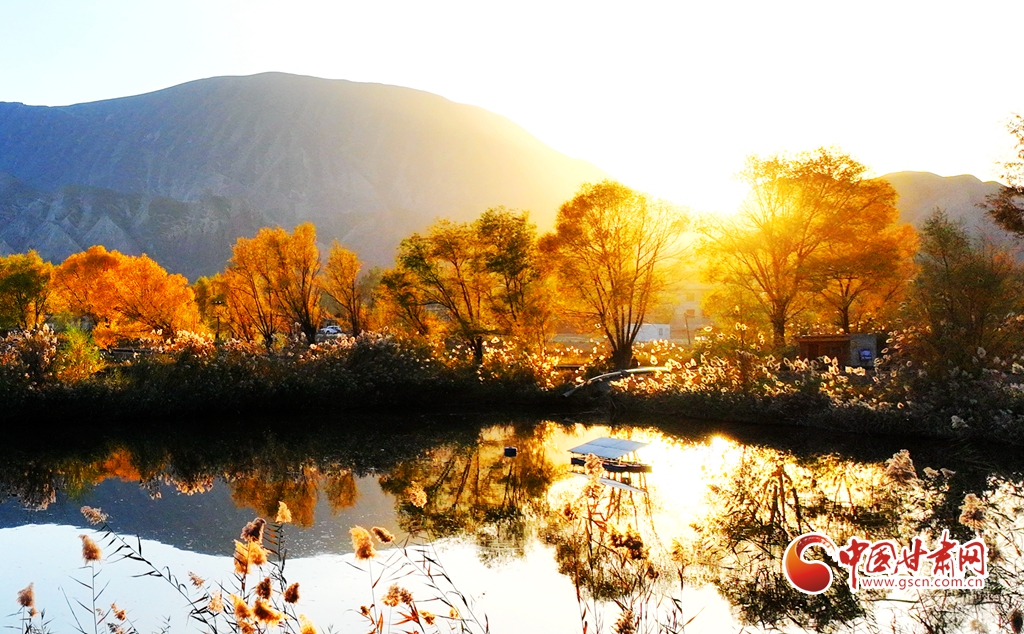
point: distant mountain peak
(367, 163)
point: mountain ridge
(367, 163)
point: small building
(856, 350)
(653, 332)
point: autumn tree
(24, 290)
(341, 280)
(811, 224)
(611, 247)
(966, 297)
(858, 274)
(299, 280)
(124, 297)
(445, 270)
(272, 282)
(1006, 207)
(480, 275)
(508, 252)
(83, 283)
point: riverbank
(191, 378)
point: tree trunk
(478, 350)
(778, 334)
(844, 319)
(622, 356)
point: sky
(667, 97)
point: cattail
(1016, 621)
(248, 554)
(119, 614)
(291, 593)
(94, 516)
(216, 605)
(383, 535)
(257, 554)
(266, 614)
(393, 596)
(284, 514)
(242, 610)
(90, 551)
(362, 543)
(263, 588)
(306, 627)
(900, 468)
(27, 597)
(197, 581)
(972, 512)
(626, 623)
(253, 531)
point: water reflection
(716, 513)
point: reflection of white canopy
(608, 448)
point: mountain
(921, 193)
(181, 172)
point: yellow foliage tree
(272, 283)
(342, 282)
(812, 224)
(124, 297)
(24, 290)
(611, 248)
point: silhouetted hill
(921, 193)
(182, 172)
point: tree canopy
(272, 283)
(811, 227)
(480, 275)
(24, 290)
(124, 297)
(611, 247)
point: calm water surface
(695, 546)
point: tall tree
(83, 283)
(299, 280)
(273, 281)
(481, 275)
(445, 270)
(966, 296)
(24, 290)
(858, 275)
(611, 246)
(342, 282)
(803, 220)
(124, 297)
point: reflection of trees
(472, 488)
(598, 544)
(261, 491)
(767, 499)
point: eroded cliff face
(188, 169)
(193, 238)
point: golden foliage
(811, 228)
(124, 297)
(611, 248)
(272, 282)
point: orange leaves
(272, 281)
(125, 297)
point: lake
(513, 543)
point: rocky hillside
(921, 193)
(181, 172)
